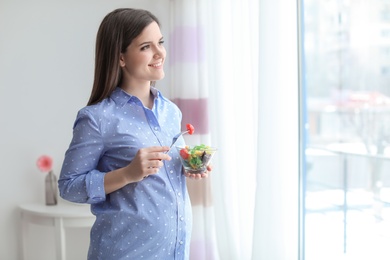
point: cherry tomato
(190, 129)
(184, 153)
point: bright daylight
(195, 129)
(347, 83)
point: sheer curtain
(245, 106)
(190, 91)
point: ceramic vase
(51, 189)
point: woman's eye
(144, 47)
(161, 42)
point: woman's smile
(156, 65)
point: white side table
(59, 216)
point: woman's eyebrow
(149, 42)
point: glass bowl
(196, 158)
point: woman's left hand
(198, 176)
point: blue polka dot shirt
(149, 219)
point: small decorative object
(45, 164)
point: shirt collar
(121, 97)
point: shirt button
(181, 242)
(181, 218)
(156, 128)
(179, 194)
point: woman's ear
(121, 60)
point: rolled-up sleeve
(80, 180)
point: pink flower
(45, 163)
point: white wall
(46, 71)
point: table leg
(60, 239)
(23, 237)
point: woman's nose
(159, 52)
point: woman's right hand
(147, 161)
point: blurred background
(296, 99)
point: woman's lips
(156, 65)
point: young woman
(119, 159)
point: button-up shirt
(149, 219)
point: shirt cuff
(95, 187)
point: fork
(174, 139)
(190, 130)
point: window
(347, 89)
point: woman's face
(144, 57)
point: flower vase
(51, 188)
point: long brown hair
(117, 30)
